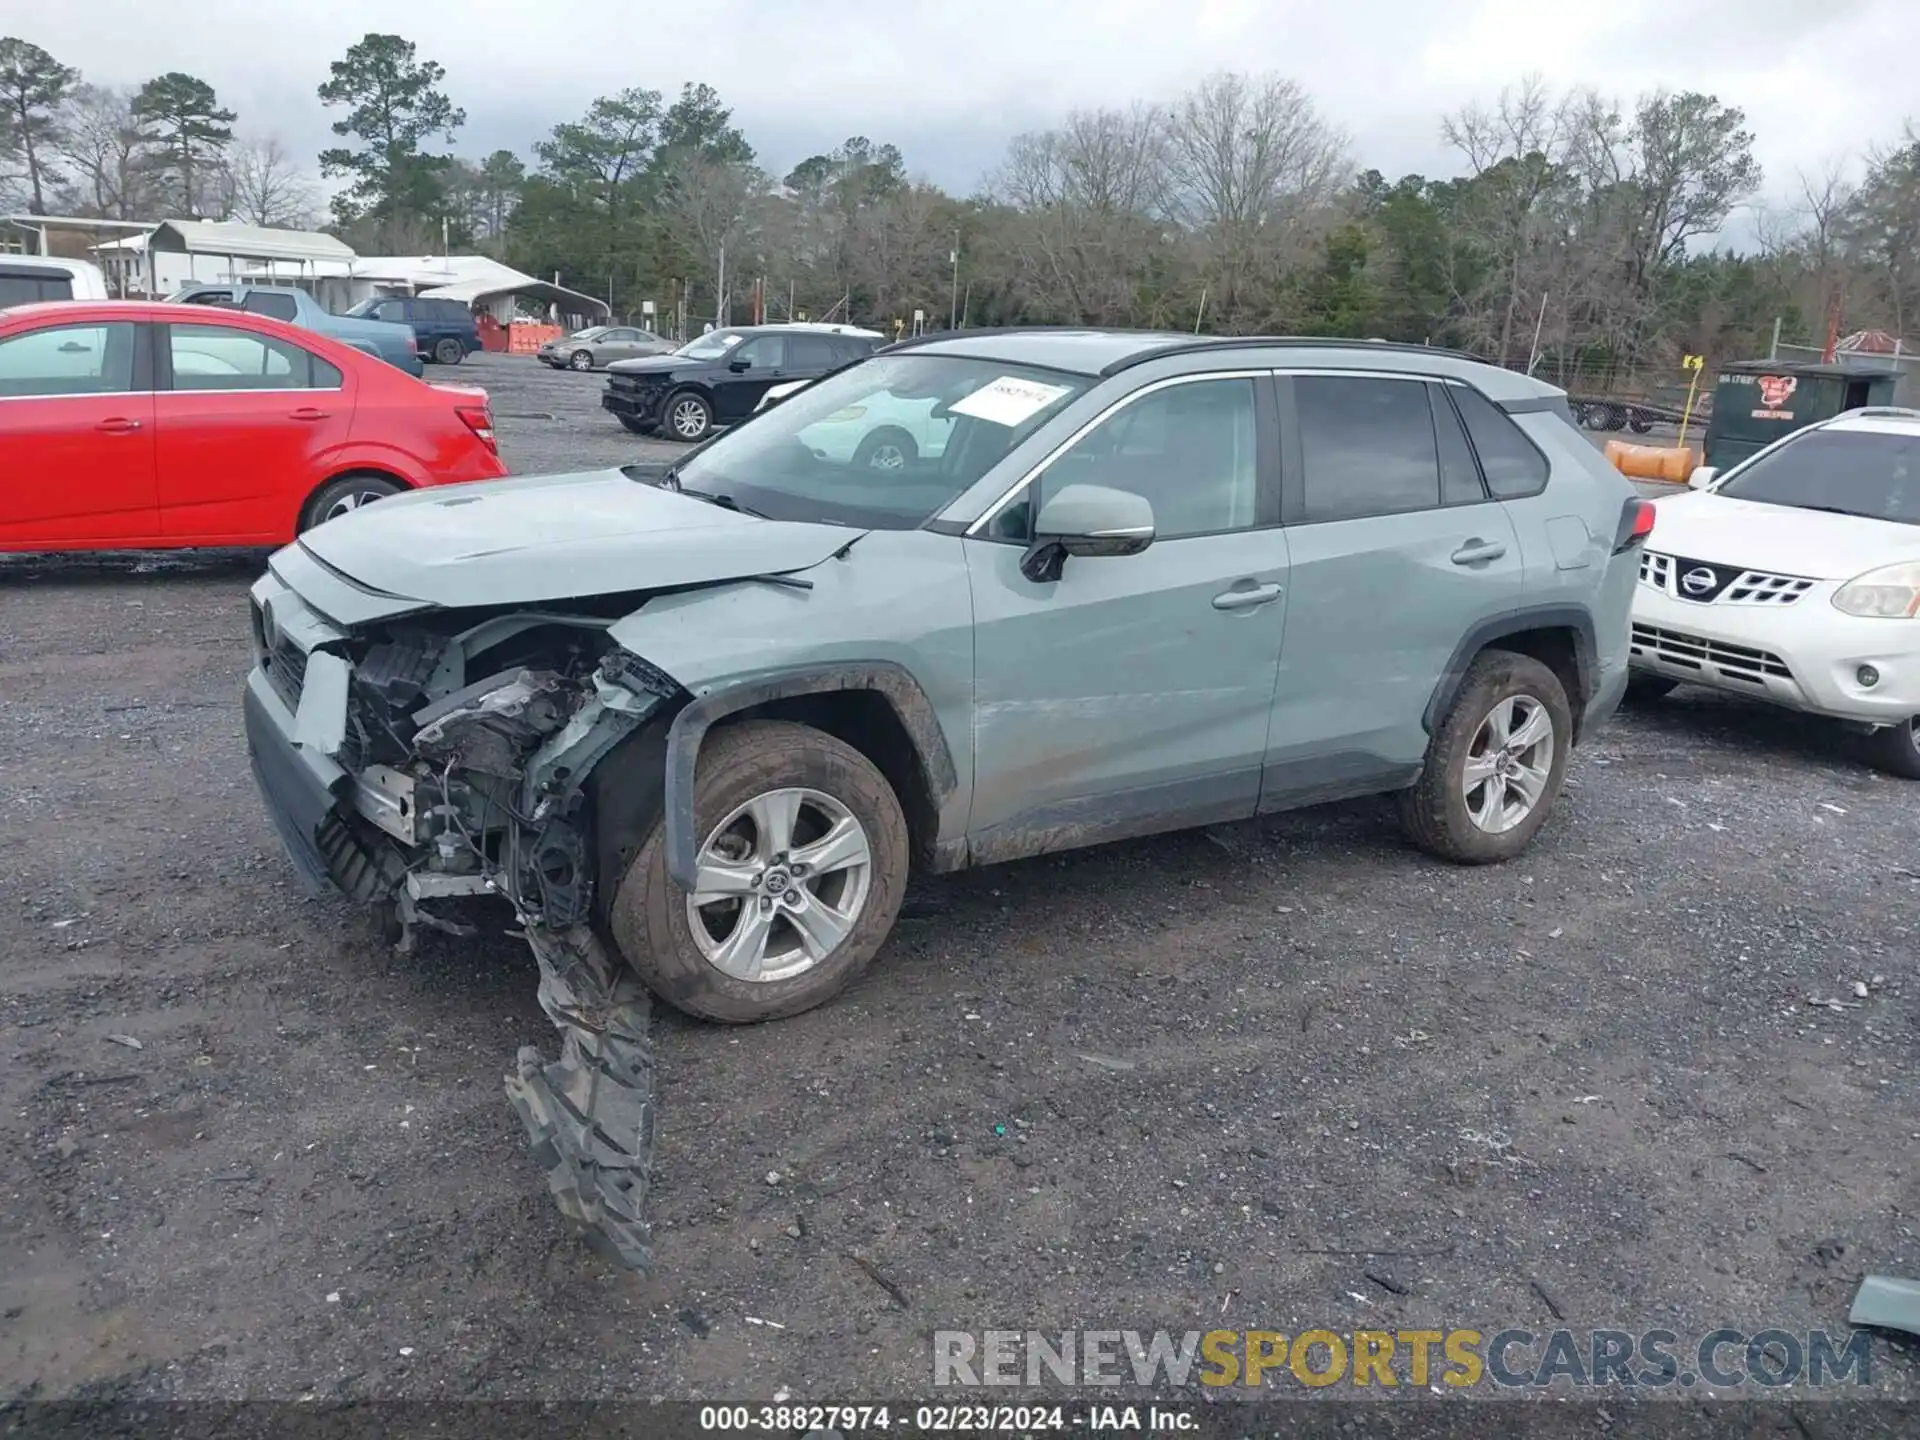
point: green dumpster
(1758, 401)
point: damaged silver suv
(696, 728)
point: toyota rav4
(697, 727)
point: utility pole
(720, 294)
(446, 248)
(953, 290)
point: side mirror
(1088, 521)
(738, 365)
(1702, 477)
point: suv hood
(1783, 539)
(557, 537)
(650, 365)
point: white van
(26, 279)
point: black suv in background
(445, 330)
(719, 378)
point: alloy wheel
(1508, 764)
(886, 456)
(689, 419)
(782, 882)
(351, 501)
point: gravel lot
(302, 1179)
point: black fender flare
(1517, 622)
(891, 681)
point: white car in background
(1794, 578)
(882, 432)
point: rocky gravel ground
(1658, 1074)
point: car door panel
(76, 426)
(1133, 693)
(736, 392)
(234, 463)
(1379, 604)
(1121, 699)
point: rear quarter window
(1513, 466)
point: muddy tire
(1471, 805)
(804, 855)
(449, 352)
(1896, 749)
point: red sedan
(147, 426)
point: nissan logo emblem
(269, 627)
(1698, 582)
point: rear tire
(1482, 822)
(343, 495)
(449, 352)
(742, 766)
(1896, 749)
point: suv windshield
(1874, 473)
(710, 347)
(884, 444)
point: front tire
(344, 495)
(688, 417)
(580, 360)
(803, 862)
(1896, 749)
(1495, 765)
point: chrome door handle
(1248, 598)
(1478, 552)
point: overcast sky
(950, 80)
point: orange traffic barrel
(1673, 464)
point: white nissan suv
(1794, 577)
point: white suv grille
(1667, 574)
(1697, 652)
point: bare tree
(267, 187)
(1517, 155)
(1253, 167)
(111, 173)
(1883, 228)
(715, 208)
(1093, 199)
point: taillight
(480, 422)
(1636, 524)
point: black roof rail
(929, 337)
(1180, 344)
(1202, 344)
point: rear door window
(1367, 447)
(811, 352)
(216, 357)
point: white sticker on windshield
(1007, 401)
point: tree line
(1575, 237)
